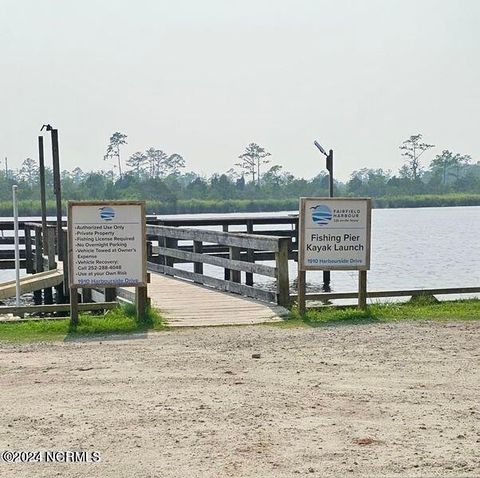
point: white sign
(334, 234)
(107, 245)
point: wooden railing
(234, 252)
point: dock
(32, 283)
(185, 304)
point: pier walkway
(185, 304)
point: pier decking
(185, 304)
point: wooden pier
(198, 276)
(186, 304)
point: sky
(204, 79)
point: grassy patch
(419, 309)
(122, 320)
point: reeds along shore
(196, 206)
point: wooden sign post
(334, 234)
(107, 249)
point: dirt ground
(373, 400)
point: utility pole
(56, 187)
(43, 200)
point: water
(411, 249)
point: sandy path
(194, 403)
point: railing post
(86, 295)
(235, 276)
(110, 294)
(159, 258)
(226, 275)
(170, 243)
(283, 283)
(149, 251)
(250, 254)
(28, 249)
(198, 266)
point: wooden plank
(246, 241)
(10, 264)
(219, 220)
(391, 293)
(7, 225)
(237, 265)
(259, 256)
(31, 309)
(7, 254)
(217, 283)
(6, 241)
(31, 283)
(126, 295)
(275, 232)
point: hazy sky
(205, 78)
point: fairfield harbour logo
(106, 213)
(323, 214)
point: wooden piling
(37, 294)
(283, 283)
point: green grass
(420, 309)
(121, 320)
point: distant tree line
(156, 175)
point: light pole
(329, 166)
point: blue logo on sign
(107, 213)
(321, 214)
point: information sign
(334, 234)
(107, 244)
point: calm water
(411, 248)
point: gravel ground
(397, 399)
